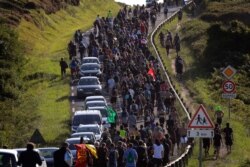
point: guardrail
(182, 161)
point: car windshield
(96, 104)
(7, 159)
(47, 153)
(88, 81)
(86, 119)
(86, 67)
(85, 136)
(94, 129)
(90, 61)
(95, 99)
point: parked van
(86, 117)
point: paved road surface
(78, 104)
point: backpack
(130, 157)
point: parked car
(90, 69)
(19, 150)
(88, 86)
(95, 98)
(86, 117)
(90, 104)
(104, 113)
(8, 157)
(90, 60)
(149, 3)
(95, 128)
(47, 153)
(88, 137)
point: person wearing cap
(63, 157)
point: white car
(19, 150)
(90, 60)
(90, 104)
(88, 137)
(95, 128)
(8, 157)
(95, 98)
(86, 117)
(104, 112)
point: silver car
(90, 69)
(88, 86)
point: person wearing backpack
(113, 156)
(130, 156)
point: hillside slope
(217, 37)
(42, 33)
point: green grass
(46, 43)
(198, 84)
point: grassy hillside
(45, 40)
(208, 44)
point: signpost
(228, 86)
(200, 126)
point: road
(78, 104)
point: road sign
(202, 133)
(37, 137)
(229, 72)
(229, 95)
(228, 86)
(200, 120)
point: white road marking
(72, 88)
(73, 109)
(73, 101)
(72, 94)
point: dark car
(88, 86)
(90, 69)
(47, 153)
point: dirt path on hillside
(186, 95)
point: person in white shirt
(158, 153)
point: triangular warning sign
(37, 137)
(201, 119)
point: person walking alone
(63, 66)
